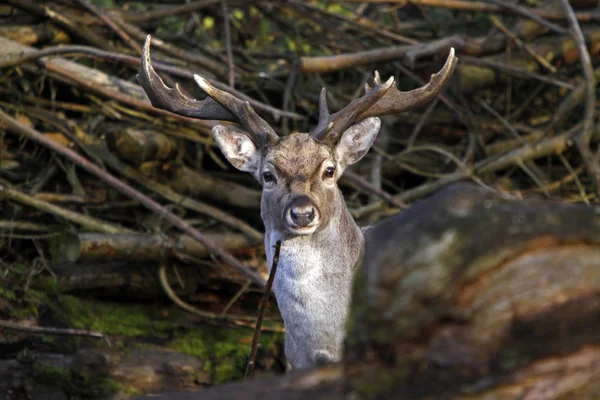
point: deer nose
(302, 211)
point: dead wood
(136, 146)
(87, 247)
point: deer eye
(268, 177)
(329, 172)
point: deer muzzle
(302, 215)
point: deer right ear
(237, 147)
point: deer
(301, 204)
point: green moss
(116, 319)
(129, 391)
(224, 351)
(27, 304)
(7, 294)
(75, 382)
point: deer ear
(237, 147)
(356, 141)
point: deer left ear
(356, 141)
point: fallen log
(467, 295)
(84, 247)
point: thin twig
(522, 45)
(230, 63)
(583, 138)
(369, 187)
(261, 311)
(236, 297)
(164, 283)
(514, 70)
(528, 14)
(54, 331)
(111, 24)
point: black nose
(302, 211)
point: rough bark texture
(472, 294)
(467, 296)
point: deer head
(298, 173)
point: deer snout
(302, 211)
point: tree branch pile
(100, 192)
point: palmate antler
(381, 99)
(219, 105)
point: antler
(381, 99)
(219, 105)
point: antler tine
(219, 105)
(396, 101)
(171, 99)
(330, 129)
(250, 120)
(324, 116)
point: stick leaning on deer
(301, 204)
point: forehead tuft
(298, 150)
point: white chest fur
(313, 288)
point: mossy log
(467, 295)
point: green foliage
(27, 304)
(7, 294)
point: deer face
(298, 173)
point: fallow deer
(301, 204)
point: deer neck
(334, 249)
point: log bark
(86, 247)
(467, 295)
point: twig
(261, 311)
(236, 297)
(349, 60)
(230, 63)
(164, 283)
(582, 139)
(17, 127)
(54, 331)
(111, 24)
(360, 20)
(469, 5)
(528, 14)
(520, 44)
(514, 70)
(369, 187)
